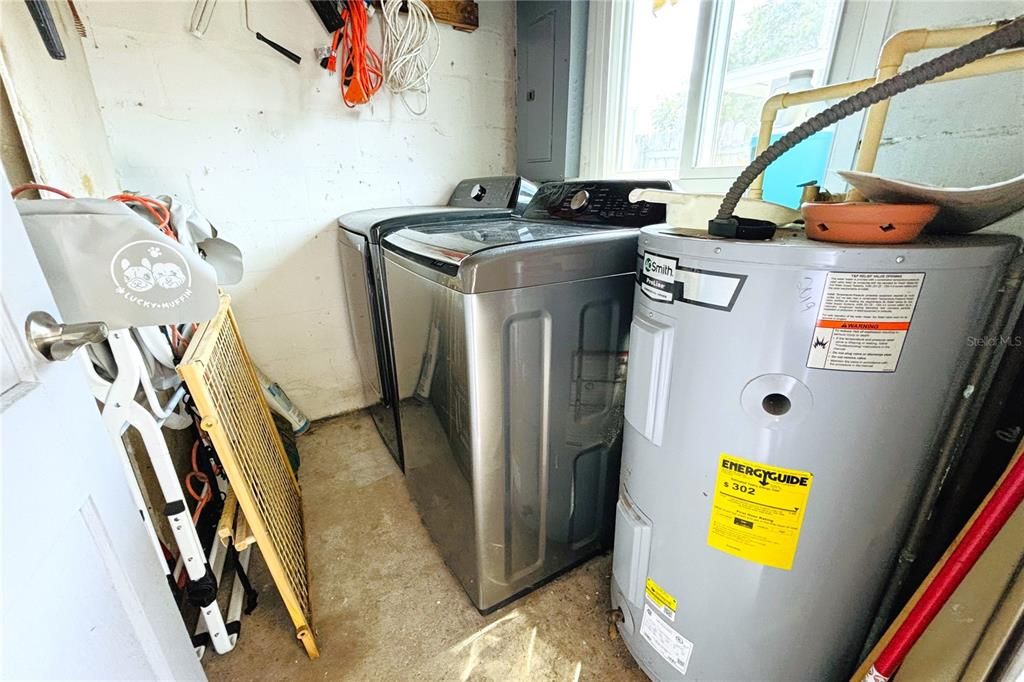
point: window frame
(711, 89)
(856, 42)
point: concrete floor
(386, 608)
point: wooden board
(463, 15)
(243, 535)
(867, 663)
(226, 524)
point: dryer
(509, 340)
(359, 237)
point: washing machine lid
(472, 199)
(512, 253)
(374, 223)
(454, 243)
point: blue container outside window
(803, 163)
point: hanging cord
(332, 58)
(157, 209)
(179, 336)
(196, 475)
(1010, 35)
(39, 188)
(407, 59)
(361, 68)
(203, 497)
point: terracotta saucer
(866, 222)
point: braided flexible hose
(1010, 35)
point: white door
(82, 594)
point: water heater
(783, 402)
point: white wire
(407, 59)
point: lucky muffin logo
(149, 274)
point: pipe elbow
(771, 107)
(899, 45)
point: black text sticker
(658, 276)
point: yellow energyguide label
(661, 599)
(757, 511)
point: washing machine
(359, 237)
(509, 340)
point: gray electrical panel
(551, 48)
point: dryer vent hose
(1008, 36)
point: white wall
(53, 106)
(961, 133)
(270, 154)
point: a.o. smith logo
(651, 266)
(149, 274)
(658, 276)
(765, 476)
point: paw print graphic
(154, 252)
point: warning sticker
(661, 599)
(658, 276)
(757, 511)
(863, 320)
(671, 645)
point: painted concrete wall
(12, 150)
(53, 105)
(268, 151)
(962, 133)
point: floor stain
(385, 606)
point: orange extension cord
(39, 188)
(155, 208)
(362, 72)
(196, 474)
(201, 498)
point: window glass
(768, 41)
(657, 81)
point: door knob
(55, 341)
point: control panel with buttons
(597, 203)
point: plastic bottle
(280, 403)
(806, 161)
(787, 118)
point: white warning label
(671, 645)
(863, 320)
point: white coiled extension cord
(406, 54)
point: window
(757, 47)
(655, 104)
(677, 92)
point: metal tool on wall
(202, 15)
(329, 14)
(43, 19)
(76, 19)
(262, 38)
